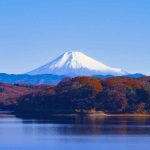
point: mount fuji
(77, 64)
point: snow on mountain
(77, 64)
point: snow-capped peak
(76, 63)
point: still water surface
(72, 133)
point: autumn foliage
(80, 95)
(10, 93)
(133, 83)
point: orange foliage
(90, 82)
(133, 83)
(10, 93)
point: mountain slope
(28, 79)
(76, 64)
(9, 93)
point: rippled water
(70, 133)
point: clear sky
(33, 32)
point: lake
(74, 132)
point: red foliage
(90, 82)
(133, 83)
(10, 93)
(80, 82)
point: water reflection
(81, 125)
(74, 132)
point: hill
(90, 95)
(10, 93)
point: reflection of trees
(82, 125)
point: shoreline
(96, 114)
(84, 115)
(104, 115)
(129, 115)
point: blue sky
(33, 32)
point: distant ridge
(136, 75)
(28, 79)
(77, 64)
(46, 78)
